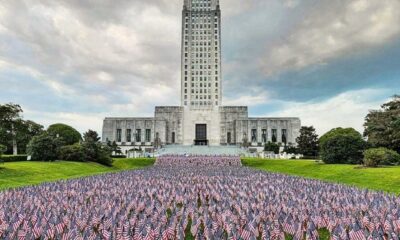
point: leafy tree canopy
(342, 146)
(307, 142)
(91, 136)
(14, 131)
(69, 134)
(339, 131)
(94, 150)
(382, 127)
(44, 147)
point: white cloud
(247, 100)
(82, 122)
(344, 110)
(332, 29)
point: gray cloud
(122, 57)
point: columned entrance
(201, 135)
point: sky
(78, 61)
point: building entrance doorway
(201, 135)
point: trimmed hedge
(118, 156)
(12, 158)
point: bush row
(12, 158)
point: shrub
(69, 134)
(14, 158)
(3, 149)
(44, 147)
(118, 156)
(72, 153)
(95, 151)
(374, 157)
(343, 149)
(271, 147)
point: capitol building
(201, 119)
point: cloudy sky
(78, 61)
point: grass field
(385, 179)
(16, 174)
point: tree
(291, 149)
(91, 136)
(374, 157)
(44, 147)
(26, 130)
(382, 127)
(338, 131)
(10, 115)
(307, 142)
(95, 151)
(68, 133)
(3, 149)
(271, 147)
(342, 146)
(72, 153)
(114, 147)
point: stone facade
(176, 125)
(201, 118)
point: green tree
(339, 131)
(10, 116)
(44, 147)
(342, 146)
(307, 142)
(290, 148)
(94, 150)
(271, 147)
(3, 149)
(374, 157)
(91, 136)
(69, 134)
(382, 127)
(26, 130)
(114, 147)
(72, 153)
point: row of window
(194, 50)
(201, 26)
(201, 103)
(137, 136)
(201, 32)
(201, 78)
(194, 67)
(195, 16)
(201, 97)
(201, 73)
(201, 38)
(264, 135)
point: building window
(229, 138)
(254, 135)
(173, 138)
(148, 135)
(264, 135)
(284, 136)
(128, 135)
(119, 137)
(274, 135)
(138, 135)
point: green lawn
(386, 178)
(16, 174)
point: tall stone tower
(201, 54)
(201, 71)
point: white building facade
(201, 119)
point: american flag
(210, 199)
